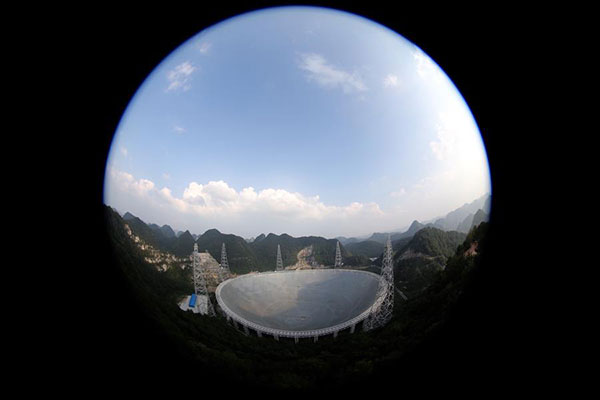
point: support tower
(383, 307)
(199, 281)
(279, 266)
(224, 271)
(338, 256)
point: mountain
(322, 251)
(487, 205)
(460, 220)
(167, 231)
(240, 255)
(128, 216)
(183, 245)
(414, 321)
(151, 236)
(479, 217)
(266, 249)
(465, 226)
(473, 220)
(374, 248)
(454, 219)
(344, 240)
(161, 238)
(420, 260)
(244, 256)
(150, 284)
(398, 245)
(415, 227)
(412, 229)
(380, 237)
(434, 242)
(367, 248)
(164, 230)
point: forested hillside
(263, 363)
(243, 256)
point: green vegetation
(244, 257)
(265, 363)
(434, 242)
(421, 259)
(239, 254)
(367, 248)
(323, 251)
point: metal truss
(224, 271)
(279, 266)
(338, 256)
(383, 307)
(199, 281)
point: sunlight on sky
(300, 120)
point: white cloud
(218, 204)
(426, 67)
(204, 47)
(180, 76)
(126, 182)
(179, 129)
(457, 138)
(330, 76)
(166, 176)
(444, 146)
(249, 212)
(123, 150)
(391, 80)
(218, 197)
(212, 195)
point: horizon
(365, 235)
(306, 120)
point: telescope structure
(383, 307)
(338, 256)
(297, 304)
(279, 264)
(201, 299)
(224, 271)
(308, 303)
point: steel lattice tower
(383, 307)
(224, 271)
(338, 256)
(279, 266)
(199, 281)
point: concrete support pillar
(276, 337)
(316, 338)
(352, 328)
(235, 324)
(246, 330)
(258, 334)
(335, 334)
(295, 339)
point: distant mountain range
(427, 272)
(418, 259)
(458, 220)
(243, 256)
(420, 253)
(462, 220)
(259, 254)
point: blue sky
(296, 120)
